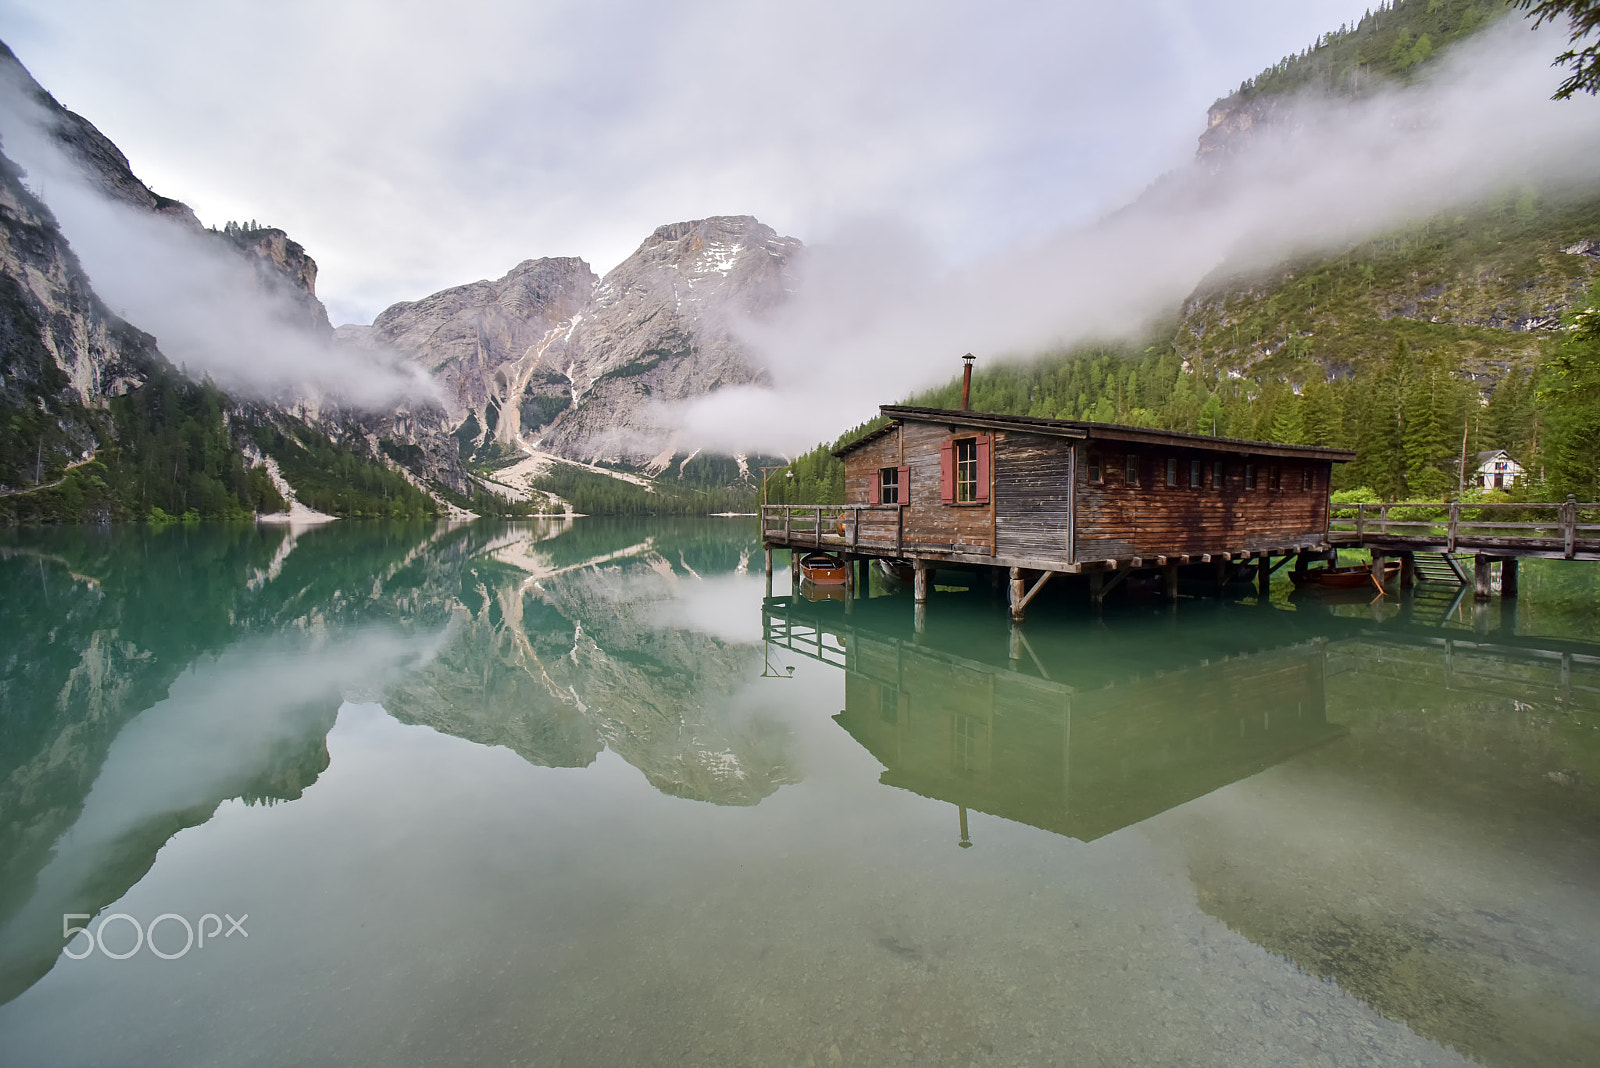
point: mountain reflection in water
(152, 674)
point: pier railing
(1568, 527)
(835, 526)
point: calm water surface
(586, 794)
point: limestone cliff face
(283, 268)
(487, 344)
(548, 356)
(62, 353)
(1233, 122)
(661, 331)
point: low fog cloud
(871, 323)
(193, 290)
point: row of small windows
(1197, 474)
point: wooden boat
(823, 569)
(1343, 578)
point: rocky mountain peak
(549, 357)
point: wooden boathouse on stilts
(1034, 498)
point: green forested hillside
(1388, 43)
(170, 453)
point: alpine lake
(589, 793)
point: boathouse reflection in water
(1048, 730)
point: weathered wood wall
(929, 522)
(1118, 520)
(1033, 496)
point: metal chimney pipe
(966, 381)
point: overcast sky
(414, 146)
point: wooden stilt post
(1170, 573)
(849, 576)
(1015, 598)
(1224, 563)
(1264, 576)
(1097, 588)
(1408, 571)
(919, 583)
(769, 561)
(1508, 577)
(1014, 649)
(1482, 587)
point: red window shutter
(905, 485)
(984, 445)
(947, 472)
(875, 487)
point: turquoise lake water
(590, 793)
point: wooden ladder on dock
(1440, 567)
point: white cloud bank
(872, 322)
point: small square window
(1216, 474)
(1131, 468)
(1172, 470)
(966, 470)
(889, 485)
(1196, 473)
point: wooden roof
(1072, 428)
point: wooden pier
(1494, 534)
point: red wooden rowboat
(822, 569)
(1343, 578)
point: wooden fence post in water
(1481, 582)
(1408, 571)
(1016, 594)
(1170, 572)
(1508, 577)
(919, 582)
(1378, 561)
